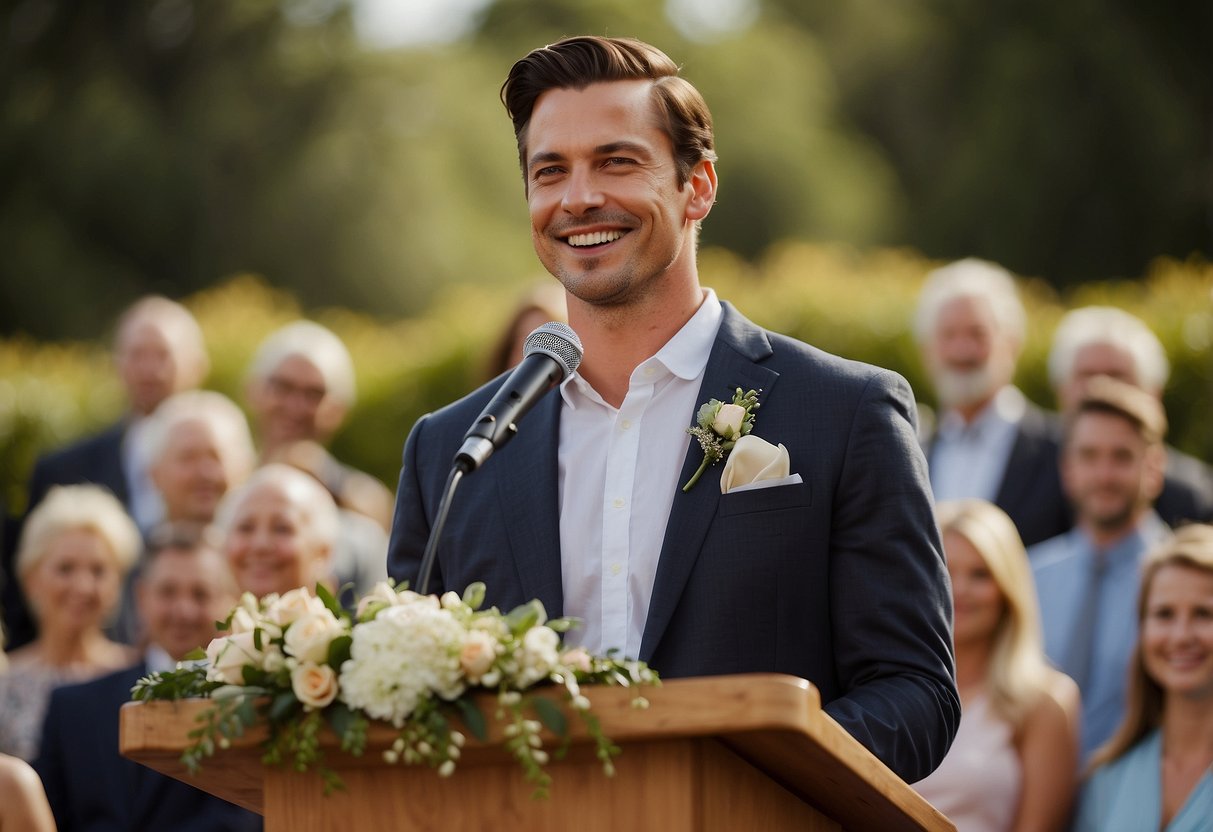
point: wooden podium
(720, 753)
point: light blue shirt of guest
(969, 460)
(1063, 567)
(1126, 795)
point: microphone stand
(444, 508)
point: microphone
(551, 353)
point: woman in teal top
(1157, 770)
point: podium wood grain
(707, 752)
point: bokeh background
(350, 160)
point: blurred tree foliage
(168, 144)
(852, 302)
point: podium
(750, 751)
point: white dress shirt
(618, 473)
(146, 505)
(969, 461)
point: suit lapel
(527, 490)
(733, 363)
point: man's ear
(703, 190)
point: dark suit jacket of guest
(839, 580)
(1187, 494)
(1030, 491)
(91, 787)
(96, 459)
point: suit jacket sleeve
(410, 521)
(890, 599)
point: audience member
(23, 806)
(184, 588)
(543, 303)
(279, 529)
(1157, 771)
(158, 351)
(197, 446)
(1014, 762)
(990, 442)
(75, 548)
(300, 387)
(1104, 340)
(1086, 579)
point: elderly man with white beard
(989, 442)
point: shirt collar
(685, 355)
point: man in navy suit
(158, 351)
(185, 588)
(990, 442)
(832, 572)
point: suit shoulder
(815, 366)
(86, 694)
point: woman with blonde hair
(1157, 770)
(1014, 762)
(75, 549)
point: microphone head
(558, 341)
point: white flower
(578, 658)
(728, 420)
(243, 621)
(381, 593)
(309, 637)
(539, 654)
(478, 654)
(228, 656)
(314, 685)
(451, 601)
(407, 653)
(292, 606)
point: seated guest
(1157, 771)
(1104, 340)
(544, 303)
(184, 588)
(1014, 762)
(75, 549)
(990, 442)
(299, 389)
(158, 351)
(1112, 470)
(197, 446)
(278, 529)
(23, 806)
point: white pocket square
(756, 463)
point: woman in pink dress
(1014, 762)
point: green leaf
(282, 706)
(473, 596)
(340, 718)
(472, 718)
(330, 601)
(195, 655)
(563, 625)
(551, 716)
(257, 638)
(339, 651)
(524, 617)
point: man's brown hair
(1108, 395)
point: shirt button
(625, 424)
(615, 569)
(617, 502)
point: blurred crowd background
(350, 161)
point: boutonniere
(718, 426)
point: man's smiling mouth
(594, 238)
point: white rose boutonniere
(718, 426)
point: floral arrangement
(299, 661)
(718, 426)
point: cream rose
(381, 593)
(478, 654)
(315, 685)
(728, 420)
(578, 658)
(309, 637)
(292, 606)
(228, 656)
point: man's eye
(618, 160)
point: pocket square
(754, 460)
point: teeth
(595, 238)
